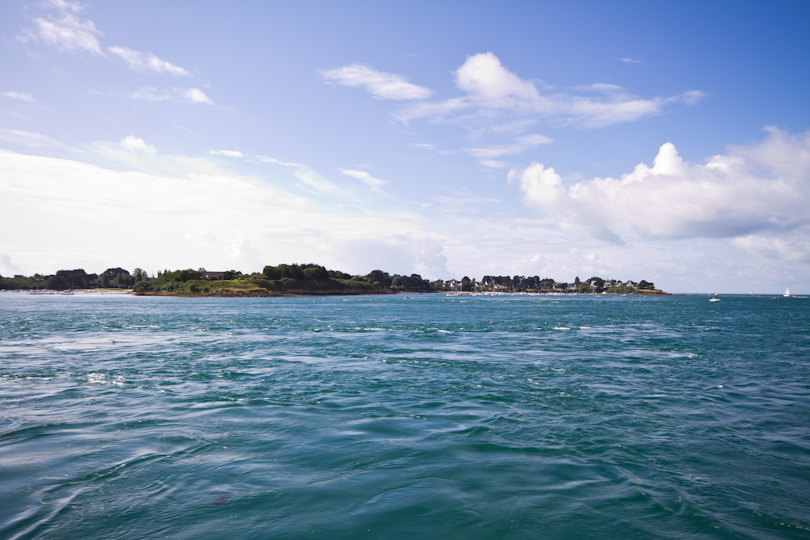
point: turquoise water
(395, 417)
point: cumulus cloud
(18, 95)
(140, 62)
(190, 95)
(379, 84)
(65, 30)
(490, 88)
(229, 153)
(134, 144)
(750, 190)
(373, 183)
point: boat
(714, 299)
(787, 293)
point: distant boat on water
(787, 292)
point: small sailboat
(787, 293)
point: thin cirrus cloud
(749, 192)
(227, 153)
(488, 155)
(22, 96)
(29, 139)
(374, 184)
(629, 60)
(142, 63)
(190, 95)
(492, 90)
(379, 84)
(303, 173)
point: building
(205, 274)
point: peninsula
(308, 280)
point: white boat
(714, 299)
(787, 293)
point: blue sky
(663, 141)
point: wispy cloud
(65, 30)
(141, 62)
(518, 146)
(303, 173)
(18, 95)
(423, 146)
(229, 153)
(374, 184)
(630, 61)
(379, 84)
(492, 91)
(27, 138)
(191, 95)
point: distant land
(307, 280)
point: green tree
(57, 282)
(382, 277)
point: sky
(666, 141)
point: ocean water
(392, 417)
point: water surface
(393, 417)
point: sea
(404, 417)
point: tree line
(111, 278)
(288, 275)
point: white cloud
(150, 93)
(373, 183)
(140, 62)
(8, 268)
(229, 221)
(65, 30)
(27, 138)
(229, 153)
(751, 190)
(265, 159)
(134, 144)
(18, 95)
(303, 173)
(423, 146)
(379, 84)
(483, 77)
(195, 95)
(191, 95)
(629, 61)
(518, 146)
(492, 90)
